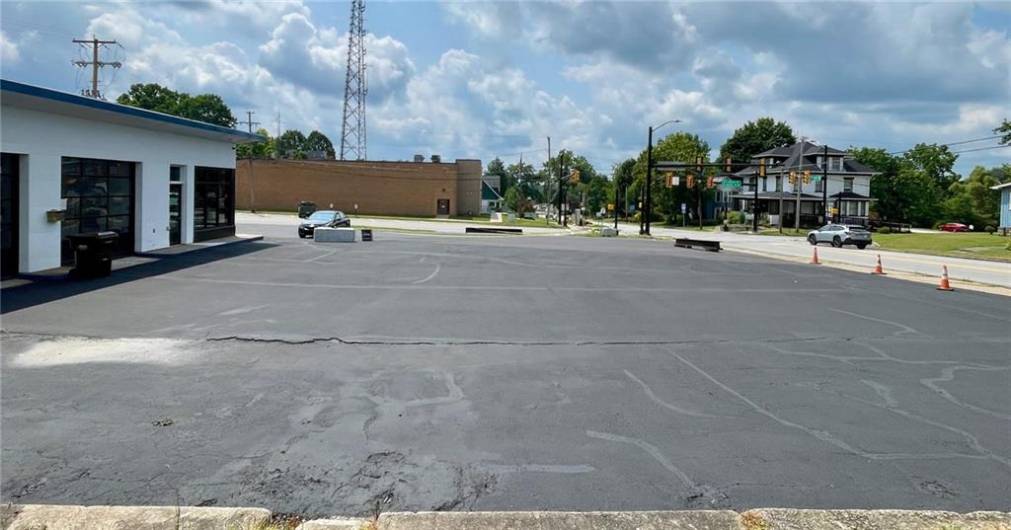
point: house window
(837, 163)
(820, 185)
(765, 183)
(779, 183)
(847, 184)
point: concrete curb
(63, 517)
(57, 517)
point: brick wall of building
(378, 188)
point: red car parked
(953, 227)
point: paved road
(987, 272)
(274, 224)
(425, 372)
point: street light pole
(617, 195)
(647, 210)
(648, 195)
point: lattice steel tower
(355, 88)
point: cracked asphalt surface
(493, 373)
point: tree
(317, 141)
(971, 201)
(1005, 130)
(755, 137)
(522, 176)
(264, 149)
(291, 144)
(676, 147)
(517, 202)
(549, 173)
(209, 108)
(910, 187)
(496, 168)
(599, 192)
(624, 175)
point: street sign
(677, 181)
(684, 208)
(730, 184)
(816, 178)
(610, 206)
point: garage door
(9, 214)
(100, 196)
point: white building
(846, 198)
(72, 164)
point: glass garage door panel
(100, 196)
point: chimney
(436, 159)
(419, 158)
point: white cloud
(8, 49)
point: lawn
(976, 245)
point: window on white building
(847, 184)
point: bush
(735, 218)
(990, 229)
(885, 230)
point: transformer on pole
(355, 88)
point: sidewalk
(797, 249)
(438, 226)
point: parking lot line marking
(438, 267)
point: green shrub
(990, 229)
(885, 230)
(735, 217)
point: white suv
(840, 235)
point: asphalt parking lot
(488, 373)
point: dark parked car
(327, 218)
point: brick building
(378, 188)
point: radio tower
(355, 88)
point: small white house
(72, 164)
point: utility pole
(754, 207)
(824, 186)
(95, 63)
(278, 122)
(547, 188)
(798, 184)
(249, 120)
(617, 195)
(561, 188)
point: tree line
(210, 108)
(918, 186)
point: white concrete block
(334, 235)
(609, 231)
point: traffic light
(710, 182)
(698, 163)
(729, 167)
(691, 180)
(761, 168)
(792, 177)
(669, 179)
(807, 176)
(574, 177)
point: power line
(981, 148)
(95, 63)
(949, 144)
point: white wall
(46, 137)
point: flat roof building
(72, 164)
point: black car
(327, 218)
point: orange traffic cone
(814, 257)
(945, 285)
(877, 269)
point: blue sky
(486, 79)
